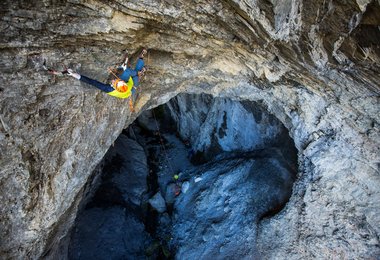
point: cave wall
(215, 125)
(313, 64)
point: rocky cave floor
(138, 210)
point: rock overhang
(326, 96)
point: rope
(134, 133)
(113, 73)
(161, 143)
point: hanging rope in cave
(162, 144)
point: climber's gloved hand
(125, 63)
(73, 74)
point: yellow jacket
(122, 91)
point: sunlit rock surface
(313, 64)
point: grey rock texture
(313, 64)
(218, 216)
(222, 201)
(109, 233)
(108, 226)
(213, 209)
(158, 202)
(130, 168)
(214, 125)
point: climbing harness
(122, 88)
(177, 187)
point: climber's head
(120, 85)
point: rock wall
(313, 64)
(109, 224)
(218, 215)
(210, 209)
(215, 125)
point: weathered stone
(214, 125)
(106, 225)
(158, 202)
(131, 169)
(218, 216)
(108, 233)
(185, 186)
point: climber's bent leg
(140, 64)
(104, 87)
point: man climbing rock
(121, 87)
(136, 73)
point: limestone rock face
(214, 125)
(312, 64)
(218, 215)
(106, 227)
(130, 164)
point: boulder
(158, 202)
(218, 216)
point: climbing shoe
(143, 52)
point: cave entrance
(195, 188)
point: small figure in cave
(122, 87)
(177, 185)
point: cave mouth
(190, 178)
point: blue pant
(140, 64)
(128, 72)
(104, 87)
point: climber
(128, 72)
(121, 87)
